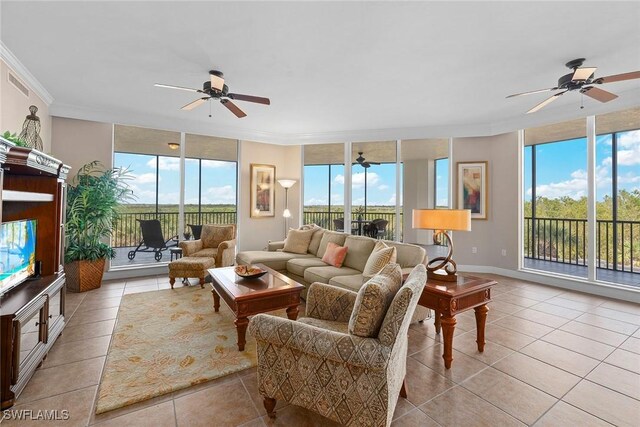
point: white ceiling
(334, 71)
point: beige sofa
(309, 268)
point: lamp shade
(442, 219)
(287, 183)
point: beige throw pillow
(297, 241)
(379, 258)
(373, 300)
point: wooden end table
(450, 298)
(246, 297)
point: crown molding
(24, 74)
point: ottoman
(190, 267)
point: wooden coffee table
(246, 297)
(450, 298)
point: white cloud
(392, 199)
(629, 178)
(141, 196)
(443, 202)
(629, 148)
(337, 199)
(217, 164)
(217, 195)
(169, 198)
(315, 201)
(357, 179)
(383, 187)
(165, 163)
(145, 178)
(576, 187)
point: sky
(561, 167)
(381, 184)
(218, 179)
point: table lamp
(441, 220)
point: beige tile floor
(552, 358)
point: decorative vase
(84, 275)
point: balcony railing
(126, 230)
(564, 241)
(325, 220)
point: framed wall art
(473, 188)
(263, 190)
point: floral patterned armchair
(317, 363)
(216, 241)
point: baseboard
(603, 289)
(136, 271)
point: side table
(450, 298)
(175, 252)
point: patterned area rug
(166, 341)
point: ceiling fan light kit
(582, 79)
(215, 88)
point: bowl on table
(249, 271)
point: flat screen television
(17, 252)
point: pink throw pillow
(335, 254)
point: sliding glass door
(153, 158)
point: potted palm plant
(92, 200)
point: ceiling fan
(215, 88)
(583, 80)
(362, 161)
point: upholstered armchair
(318, 363)
(216, 241)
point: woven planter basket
(84, 275)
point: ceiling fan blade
(198, 102)
(374, 163)
(250, 98)
(233, 108)
(532, 92)
(582, 74)
(177, 87)
(620, 77)
(545, 102)
(365, 165)
(217, 82)
(599, 94)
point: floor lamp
(286, 184)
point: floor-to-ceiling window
(555, 222)
(425, 172)
(556, 201)
(441, 186)
(373, 189)
(618, 197)
(214, 174)
(324, 185)
(153, 158)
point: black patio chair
(377, 229)
(196, 231)
(152, 239)
(338, 224)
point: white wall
(254, 233)
(500, 230)
(14, 107)
(77, 142)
